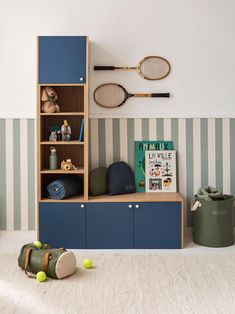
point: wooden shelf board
(62, 114)
(139, 197)
(61, 84)
(77, 198)
(61, 143)
(60, 171)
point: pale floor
(11, 242)
(193, 280)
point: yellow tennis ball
(87, 263)
(38, 244)
(41, 276)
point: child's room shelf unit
(63, 65)
(130, 221)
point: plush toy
(48, 99)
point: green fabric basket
(213, 222)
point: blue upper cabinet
(62, 59)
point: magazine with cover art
(140, 148)
(160, 171)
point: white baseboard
(12, 241)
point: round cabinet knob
(82, 205)
(137, 206)
(130, 206)
(81, 79)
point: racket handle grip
(104, 67)
(160, 95)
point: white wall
(197, 36)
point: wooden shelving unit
(73, 103)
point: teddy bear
(48, 99)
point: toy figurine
(53, 137)
(55, 133)
(65, 131)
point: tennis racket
(150, 68)
(113, 95)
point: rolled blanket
(64, 187)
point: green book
(140, 148)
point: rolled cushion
(98, 181)
(121, 179)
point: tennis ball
(41, 276)
(87, 263)
(38, 244)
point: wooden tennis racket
(150, 68)
(113, 95)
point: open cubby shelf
(70, 98)
(54, 120)
(47, 178)
(73, 152)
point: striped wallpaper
(206, 155)
(17, 174)
(205, 149)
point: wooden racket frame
(137, 68)
(127, 95)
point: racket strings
(109, 95)
(154, 68)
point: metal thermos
(53, 160)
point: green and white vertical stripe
(205, 148)
(17, 174)
(205, 155)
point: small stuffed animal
(48, 99)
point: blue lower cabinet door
(62, 59)
(157, 225)
(63, 225)
(109, 226)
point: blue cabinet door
(157, 225)
(63, 225)
(62, 59)
(109, 226)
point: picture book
(140, 148)
(160, 169)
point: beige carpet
(126, 283)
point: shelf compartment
(73, 152)
(70, 98)
(47, 178)
(61, 143)
(52, 120)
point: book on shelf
(81, 133)
(140, 148)
(160, 169)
